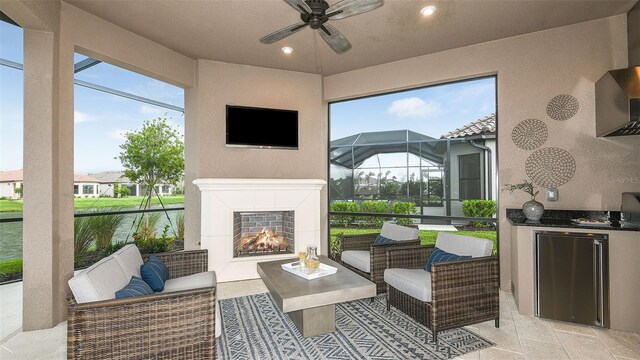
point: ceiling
(228, 30)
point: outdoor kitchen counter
(624, 268)
(562, 219)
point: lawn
(427, 237)
(93, 203)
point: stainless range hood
(618, 91)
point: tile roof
(111, 177)
(486, 125)
(17, 175)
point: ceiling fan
(315, 13)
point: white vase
(533, 210)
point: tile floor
(519, 337)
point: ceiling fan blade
(335, 39)
(282, 33)
(300, 6)
(346, 8)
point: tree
(152, 155)
(19, 190)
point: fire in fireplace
(258, 233)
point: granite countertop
(562, 219)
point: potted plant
(532, 209)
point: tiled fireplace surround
(220, 198)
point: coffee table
(311, 304)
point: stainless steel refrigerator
(572, 277)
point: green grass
(93, 203)
(427, 237)
(10, 266)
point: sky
(431, 111)
(101, 119)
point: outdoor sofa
(180, 322)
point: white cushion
(359, 259)
(398, 232)
(195, 281)
(464, 245)
(129, 259)
(98, 282)
(413, 282)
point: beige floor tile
(469, 356)
(499, 354)
(620, 343)
(581, 347)
(36, 344)
(505, 337)
(228, 290)
(6, 354)
(623, 358)
(572, 328)
(538, 350)
(534, 328)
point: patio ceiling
(228, 30)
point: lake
(11, 233)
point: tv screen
(264, 128)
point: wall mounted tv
(262, 128)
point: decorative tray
(294, 268)
(591, 222)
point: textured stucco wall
(531, 69)
(220, 84)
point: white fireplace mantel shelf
(222, 197)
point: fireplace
(298, 200)
(257, 233)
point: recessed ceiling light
(287, 50)
(428, 10)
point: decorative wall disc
(529, 134)
(550, 167)
(562, 107)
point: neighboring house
(83, 185)
(467, 171)
(9, 182)
(473, 162)
(109, 179)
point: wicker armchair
(173, 325)
(377, 255)
(463, 292)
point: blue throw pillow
(438, 255)
(382, 240)
(136, 287)
(154, 272)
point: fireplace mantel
(221, 197)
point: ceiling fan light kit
(315, 14)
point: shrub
(404, 207)
(10, 266)
(479, 208)
(345, 206)
(374, 207)
(104, 227)
(83, 237)
(180, 225)
(151, 244)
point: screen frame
(228, 106)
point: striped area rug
(254, 328)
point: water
(11, 233)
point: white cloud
(117, 134)
(80, 117)
(414, 107)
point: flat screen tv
(262, 128)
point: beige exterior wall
(531, 69)
(221, 84)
